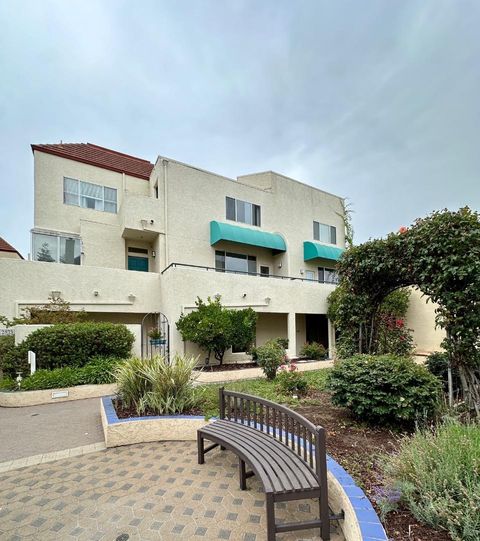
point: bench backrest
(281, 423)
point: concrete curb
(51, 457)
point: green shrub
(8, 384)
(70, 345)
(437, 363)
(270, 357)
(7, 344)
(313, 350)
(438, 474)
(157, 385)
(290, 381)
(282, 342)
(384, 388)
(99, 370)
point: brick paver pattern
(152, 491)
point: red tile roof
(6, 247)
(100, 157)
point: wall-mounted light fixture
(154, 253)
(244, 295)
(132, 297)
(267, 300)
(96, 293)
(55, 294)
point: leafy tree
(440, 254)
(216, 328)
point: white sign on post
(32, 361)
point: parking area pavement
(36, 430)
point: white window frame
(58, 237)
(330, 270)
(81, 195)
(252, 212)
(317, 233)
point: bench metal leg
(201, 451)
(271, 527)
(243, 474)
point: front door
(138, 263)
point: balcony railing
(244, 273)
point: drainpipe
(165, 209)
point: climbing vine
(439, 254)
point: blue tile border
(370, 526)
(112, 417)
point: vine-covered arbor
(439, 254)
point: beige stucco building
(125, 240)
(121, 238)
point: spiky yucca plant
(155, 384)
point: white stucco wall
(421, 319)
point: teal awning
(244, 235)
(314, 250)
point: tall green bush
(270, 357)
(438, 475)
(384, 389)
(70, 345)
(7, 344)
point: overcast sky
(378, 102)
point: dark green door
(138, 263)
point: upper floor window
(325, 233)
(241, 211)
(227, 261)
(88, 195)
(56, 248)
(327, 276)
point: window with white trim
(88, 195)
(327, 276)
(56, 248)
(309, 275)
(242, 211)
(325, 233)
(230, 262)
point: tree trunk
(471, 388)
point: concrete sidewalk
(36, 430)
(206, 376)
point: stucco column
(331, 339)
(292, 335)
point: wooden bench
(268, 437)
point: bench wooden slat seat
(283, 449)
(279, 468)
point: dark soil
(228, 367)
(124, 413)
(357, 448)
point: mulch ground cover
(358, 449)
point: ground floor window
(327, 276)
(230, 262)
(55, 248)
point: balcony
(141, 217)
(242, 273)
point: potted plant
(156, 337)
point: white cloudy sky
(377, 101)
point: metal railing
(246, 273)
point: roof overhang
(315, 250)
(245, 235)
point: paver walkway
(34, 430)
(148, 492)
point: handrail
(278, 276)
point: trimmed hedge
(98, 370)
(384, 388)
(69, 345)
